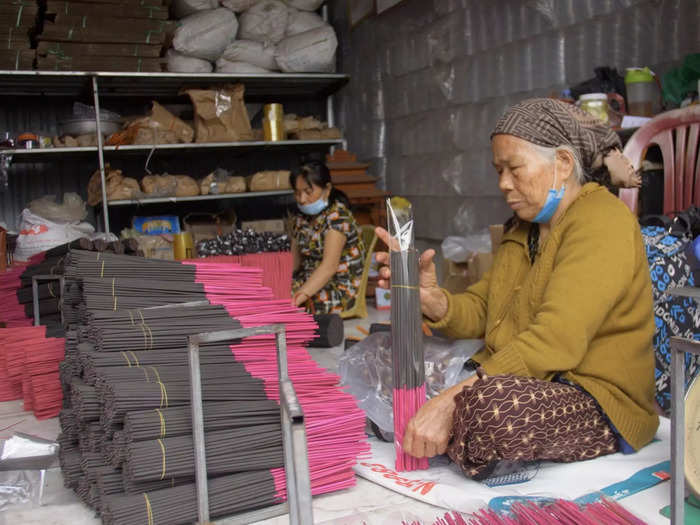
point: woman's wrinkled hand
(428, 433)
(433, 300)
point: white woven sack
(183, 8)
(206, 34)
(255, 53)
(238, 6)
(179, 63)
(226, 66)
(305, 5)
(266, 21)
(302, 21)
(309, 52)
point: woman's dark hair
(317, 173)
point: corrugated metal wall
(431, 77)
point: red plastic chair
(676, 132)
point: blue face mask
(551, 203)
(314, 208)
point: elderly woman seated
(566, 373)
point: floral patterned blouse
(340, 292)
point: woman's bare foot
(622, 173)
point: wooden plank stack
(104, 35)
(18, 21)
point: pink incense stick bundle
(11, 311)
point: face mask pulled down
(551, 203)
(314, 208)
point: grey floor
(365, 503)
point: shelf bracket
(100, 153)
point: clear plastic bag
(366, 370)
(461, 249)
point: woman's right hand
(432, 299)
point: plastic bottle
(642, 92)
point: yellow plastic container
(183, 246)
(273, 123)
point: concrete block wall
(431, 77)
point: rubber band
(132, 317)
(145, 337)
(70, 34)
(17, 60)
(9, 38)
(115, 303)
(65, 5)
(404, 286)
(162, 422)
(126, 357)
(102, 271)
(19, 16)
(139, 61)
(155, 372)
(136, 359)
(113, 279)
(149, 510)
(141, 316)
(164, 394)
(84, 21)
(98, 257)
(145, 374)
(150, 336)
(51, 290)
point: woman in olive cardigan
(566, 311)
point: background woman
(326, 243)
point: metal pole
(100, 153)
(677, 436)
(200, 459)
(35, 300)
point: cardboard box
(98, 50)
(88, 63)
(457, 277)
(275, 225)
(156, 225)
(382, 298)
(206, 226)
(88, 9)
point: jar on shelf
(595, 104)
(642, 92)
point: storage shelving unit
(166, 87)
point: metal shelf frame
(259, 87)
(248, 194)
(296, 461)
(47, 154)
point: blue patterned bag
(674, 316)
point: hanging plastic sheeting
(428, 86)
(179, 63)
(206, 34)
(266, 21)
(183, 8)
(251, 52)
(309, 52)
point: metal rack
(296, 462)
(165, 86)
(679, 347)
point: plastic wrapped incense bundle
(406, 334)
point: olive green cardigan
(584, 309)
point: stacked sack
(251, 36)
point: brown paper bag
(269, 181)
(220, 115)
(167, 121)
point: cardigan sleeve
(466, 312)
(592, 268)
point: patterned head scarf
(551, 123)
